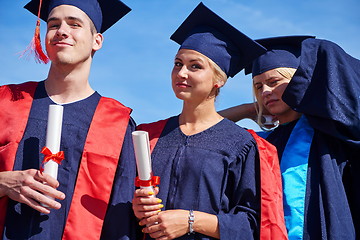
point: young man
(93, 191)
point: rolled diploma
(53, 137)
(142, 155)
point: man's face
(69, 39)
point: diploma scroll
(145, 177)
(53, 138)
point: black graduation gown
(23, 222)
(214, 171)
(326, 89)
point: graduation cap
(210, 35)
(282, 52)
(103, 14)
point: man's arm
(30, 187)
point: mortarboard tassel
(35, 45)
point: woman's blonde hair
(219, 75)
(287, 73)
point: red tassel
(39, 53)
(35, 45)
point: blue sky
(135, 62)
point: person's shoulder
(233, 129)
(109, 100)
(20, 86)
(234, 138)
(157, 124)
(18, 91)
(114, 104)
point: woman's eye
(273, 83)
(196, 66)
(177, 64)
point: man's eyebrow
(68, 18)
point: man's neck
(65, 84)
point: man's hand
(32, 188)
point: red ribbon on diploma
(57, 157)
(155, 180)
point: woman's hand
(145, 204)
(167, 224)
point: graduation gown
(272, 225)
(326, 141)
(214, 171)
(96, 175)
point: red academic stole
(15, 102)
(272, 224)
(98, 164)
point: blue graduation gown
(326, 89)
(214, 171)
(22, 222)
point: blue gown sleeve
(326, 88)
(239, 214)
(120, 221)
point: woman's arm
(171, 224)
(239, 112)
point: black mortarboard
(103, 13)
(208, 34)
(282, 52)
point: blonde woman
(209, 166)
(311, 87)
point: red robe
(101, 145)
